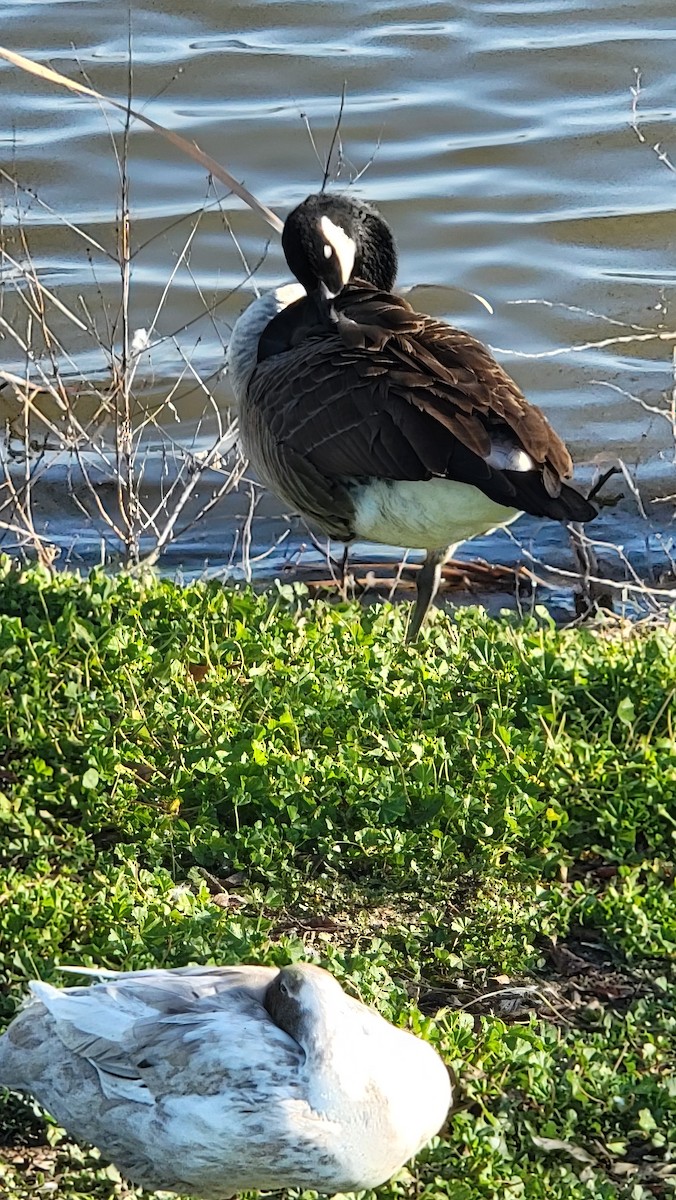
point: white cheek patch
(343, 246)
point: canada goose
(214, 1080)
(377, 422)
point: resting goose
(377, 422)
(211, 1081)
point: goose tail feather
(533, 496)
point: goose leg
(344, 563)
(427, 585)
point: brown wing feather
(406, 397)
(460, 369)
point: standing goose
(380, 423)
(216, 1080)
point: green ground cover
(475, 834)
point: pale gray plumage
(210, 1081)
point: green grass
(476, 835)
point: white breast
(425, 514)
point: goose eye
(328, 251)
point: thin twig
(336, 131)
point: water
(495, 136)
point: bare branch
(334, 139)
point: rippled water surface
(501, 151)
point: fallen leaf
(143, 770)
(198, 671)
(568, 963)
(551, 1145)
(225, 900)
(623, 1168)
(323, 924)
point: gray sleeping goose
(209, 1081)
(377, 422)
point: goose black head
(328, 240)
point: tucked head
(329, 239)
(298, 999)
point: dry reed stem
(190, 148)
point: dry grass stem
(110, 429)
